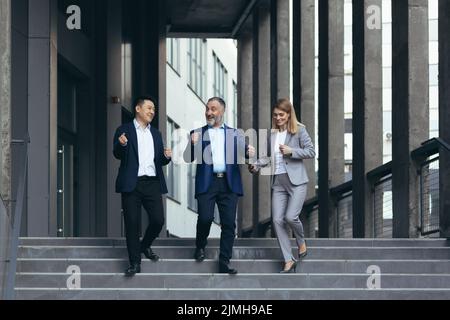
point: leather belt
(147, 178)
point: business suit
(138, 191)
(211, 189)
(290, 187)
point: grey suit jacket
(302, 148)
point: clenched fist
(168, 153)
(285, 150)
(195, 137)
(251, 151)
(123, 140)
(252, 168)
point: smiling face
(145, 112)
(281, 118)
(214, 113)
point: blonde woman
(290, 144)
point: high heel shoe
(303, 254)
(293, 268)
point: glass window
(434, 75)
(173, 53)
(235, 104)
(197, 66)
(220, 79)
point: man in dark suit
(217, 148)
(140, 149)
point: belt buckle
(220, 175)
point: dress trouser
(226, 200)
(147, 194)
(287, 203)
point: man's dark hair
(139, 101)
(219, 100)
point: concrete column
(444, 116)
(19, 93)
(304, 75)
(280, 46)
(367, 112)
(331, 109)
(245, 122)
(263, 107)
(114, 112)
(5, 99)
(410, 108)
(42, 115)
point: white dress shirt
(280, 166)
(146, 150)
(217, 138)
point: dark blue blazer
(129, 158)
(234, 142)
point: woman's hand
(252, 168)
(285, 150)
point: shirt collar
(221, 127)
(138, 126)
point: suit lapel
(205, 143)
(206, 139)
(133, 138)
(288, 138)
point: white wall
(186, 109)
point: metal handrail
(429, 148)
(441, 142)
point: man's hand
(251, 151)
(123, 140)
(168, 153)
(285, 150)
(195, 137)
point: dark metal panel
(444, 116)
(324, 196)
(400, 110)
(359, 105)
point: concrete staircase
(333, 269)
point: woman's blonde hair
(286, 106)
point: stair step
(233, 294)
(172, 252)
(411, 269)
(205, 281)
(244, 266)
(239, 242)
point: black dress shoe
(224, 268)
(199, 255)
(149, 254)
(132, 270)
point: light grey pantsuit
(287, 203)
(288, 190)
